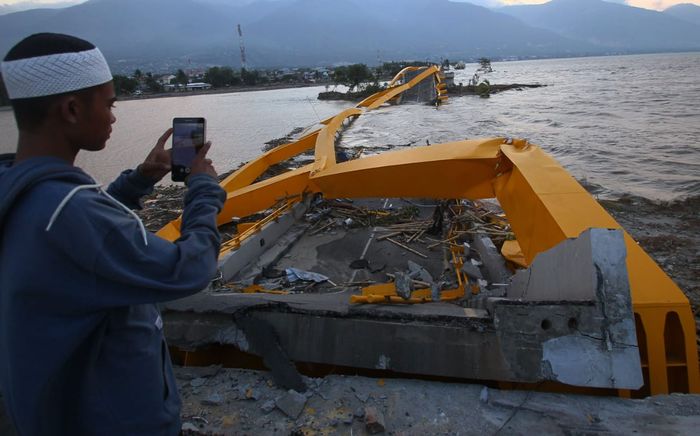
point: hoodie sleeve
(101, 239)
(137, 273)
(129, 187)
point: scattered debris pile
(425, 252)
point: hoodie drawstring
(77, 189)
(130, 212)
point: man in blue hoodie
(81, 343)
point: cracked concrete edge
(601, 348)
(253, 248)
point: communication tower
(244, 64)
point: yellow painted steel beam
(400, 75)
(325, 140)
(394, 91)
(464, 169)
(249, 172)
(267, 193)
(372, 98)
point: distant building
(166, 79)
(322, 73)
(310, 76)
(198, 86)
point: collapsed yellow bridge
(544, 205)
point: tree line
(355, 77)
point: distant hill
(686, 12)
(162, 35)
(615, 26)
(289, 32)
(132, 32)
(10, 8)
(348, 30)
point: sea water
(623, 125)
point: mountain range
(167, 34)
(613, 26)
(685, 11)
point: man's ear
(70, 108)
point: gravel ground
(244, 402)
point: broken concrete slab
(265, 343)
(291, 403)
(565, 272)
(417, 272)
(254, 247)
(472, 271)
(494, 263)
(403, 284)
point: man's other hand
(157, 163)
(202, 165)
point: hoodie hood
(17, 180)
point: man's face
(96, 122)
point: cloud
(658, 5)
(523, 2)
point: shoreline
(213, 91)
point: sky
(648, 4)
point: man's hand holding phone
(157, 163)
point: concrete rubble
(338, 404)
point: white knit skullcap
(55, 74)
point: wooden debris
(389, 235)
(407, 248)
(322, 228)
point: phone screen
(188, 138)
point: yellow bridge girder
(394, 90)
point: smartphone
(188, 138)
